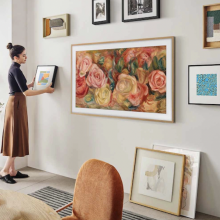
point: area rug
(57, 198)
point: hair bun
(9, 46)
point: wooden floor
(39, 179)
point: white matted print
(204, 84)
(134, 10)
(191, 178)
(156, 178)
(99, 10)
(45, 75)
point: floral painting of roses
(121, 79)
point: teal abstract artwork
(207, 84)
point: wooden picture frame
(126, 17)
(60, 27)
(173, 207)
(106, 19)
(169, 42)
(206, 98)
(207, 8)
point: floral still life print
(128, 79)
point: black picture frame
(54, 74)
(190, 103)
(141, 19)
(107, 21)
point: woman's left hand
(32, 83)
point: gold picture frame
(209, 45)
(170, 116)
(173, 207)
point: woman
(15, 133)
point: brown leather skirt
(15, 133)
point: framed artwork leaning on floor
(127, 79)
(157, 180)
(191, 178)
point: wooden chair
(98, 193)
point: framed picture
(204, 84)
(45, 75)
(56, 26)
(100, 12)
(211, 26)
(157, 180)
(191, 178)
(127, 79)
(137, 10)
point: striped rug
(57, 198)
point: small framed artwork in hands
(204, 84)
(126, 79)
(211, 26)
(45, 75)
(100, 12)
(157, 180)
(191, 178)
(137, 10)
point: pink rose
(96, 77)
(85, 64)
(157, 81)
(79, 58)
(137, 98)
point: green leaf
(133, 67)
(162, 63)
(151, 68)
(101, 60)
(145, 66)
(155, 63)
(163, 96)
(120, 65)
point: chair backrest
(98, 193)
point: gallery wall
(61, 142)
(13, 22)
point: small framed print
(211, 26)
(100, 12)
(157, 180)
(45, 75)
(137, 10)
(204, 84)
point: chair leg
(64, 207)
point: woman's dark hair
(15, 50)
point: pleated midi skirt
(15, 132)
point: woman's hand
(32, 83)
(49, 89)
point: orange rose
(129, 54)
(137, 98)
(157, 81)
(81, 87)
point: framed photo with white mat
(157, 180)
(204, 84)
(45, 75)
(100, 12)
(137, 10)
(191, 178)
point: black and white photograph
(139, 6)
(100, 12)
(136, 10)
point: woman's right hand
(49, 89)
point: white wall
(13, 25)
(61, 142)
